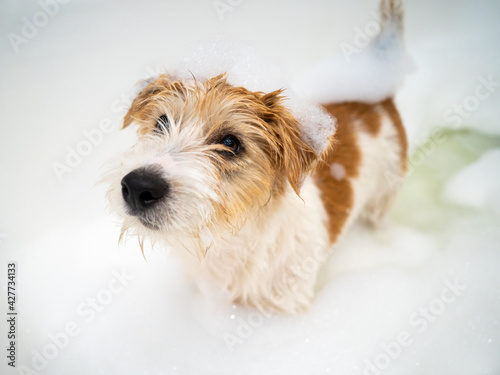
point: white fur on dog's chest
(275, 257)
(273, 260)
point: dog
(227, 178)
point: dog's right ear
(138, 111)
(298, 152)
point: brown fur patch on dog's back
(337, 193)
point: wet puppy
(249, 200)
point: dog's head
(209, 155)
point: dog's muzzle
(142, 189)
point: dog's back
(366, 164)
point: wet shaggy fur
(256, 218)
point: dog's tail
(388, 47)
(391, 25)
(372, 66)
(392, 11)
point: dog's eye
(232, 144)
(162, 124)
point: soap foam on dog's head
(244, 67)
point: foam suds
(373, 73)
(477, 185)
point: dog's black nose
(142, 188)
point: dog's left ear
(301, 144)
(149, 91)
